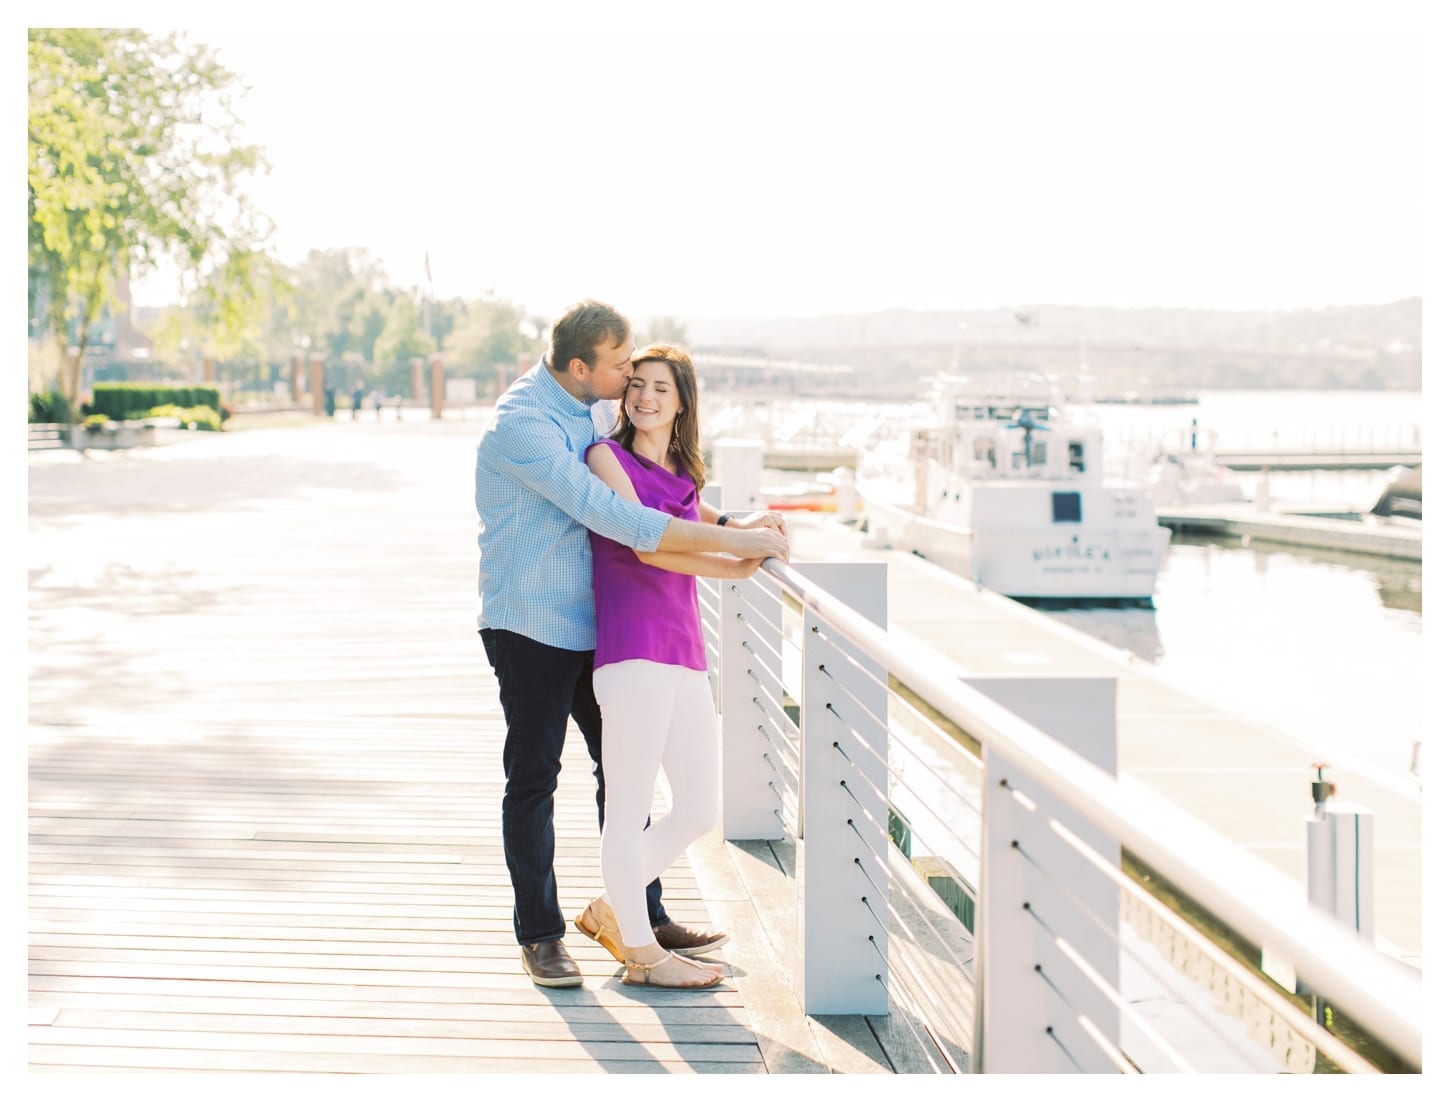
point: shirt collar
(556, 396)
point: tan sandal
(597, 921)
(637, 972)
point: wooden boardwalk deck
(264, 780)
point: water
(1323, 646)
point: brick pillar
(296, 376)
(208, 369)
(436, 364)
(317, 384)
(416, 363)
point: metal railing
(965, 855)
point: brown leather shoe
(688, 942)
(549, 964)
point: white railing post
(842, 858)
(751, 806)
(1026, 870)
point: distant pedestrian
(378, 402)
(329, 401)
(357, 398)
(398, 405)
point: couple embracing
(589, 550)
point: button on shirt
(537, 502)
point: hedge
(121, 400)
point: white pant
(654, 715)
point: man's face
(609, 376)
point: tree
(135, 159)
(401, 340)
(487, 333)
(657, 330)
(342, 301)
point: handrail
(1261, 903)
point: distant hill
(1362, 347)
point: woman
(649, 668)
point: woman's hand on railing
(765, 519)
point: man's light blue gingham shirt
(535, 499)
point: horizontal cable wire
(754, 673)
(1096, 978)
(1113, 1053)
(780, 739)
(765, 612)
(775, 712)
(1083, 907)
(786, 773)
(925, 1051)
(1058, 1041)
(885, 928)
(895, 695)
(926, 999)
(786, 776)
(930, 925)
(927, 805)
(1326, 1042)
(760, 641)
(922, 998)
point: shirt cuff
(651, 530)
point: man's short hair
(581, 329)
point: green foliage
(51, 409)
(660, 330)
(340, 305)
(95, 422)
(402, 338)
(122, 400)
(191, 417)
(133, 154)
(485, 333)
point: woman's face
(652, 400)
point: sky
(836, 164)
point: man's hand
(757, 520)
(758, 543)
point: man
(535, 500)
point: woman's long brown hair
(685, 439)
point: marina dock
(1371, 536)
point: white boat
(1004, 491)
(1193, 478)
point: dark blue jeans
(540, 687)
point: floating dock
(1370, 537)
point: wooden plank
(499, 1028)
(545, 1012)
(475, 1047)
(98, 1057)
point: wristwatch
(722, 519)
